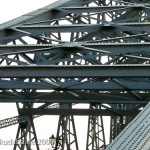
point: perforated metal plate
(136, 136)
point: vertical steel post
(66, 137)
(95, 132)
(26, 135)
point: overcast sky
(10, 9)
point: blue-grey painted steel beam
(103, 86)
(116, 48)
(120, 101)
(35, 30)
(98, 9)
(90, 28)
(81, 112)
(84, 27)
(78, 97)
(97, 71)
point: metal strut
(95, 133)
(118, 123)
(26, 135)
(66, 137)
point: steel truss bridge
(73, 52)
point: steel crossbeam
(105, 71)
(84, 27)
(99, 9)
(104, 86)
(83, 112)
(109, 49)
(39, 29)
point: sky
(45, 126)
(10, 9)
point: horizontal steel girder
(104, 71)
(120, 101)
(34, 30)
(77, 97)
(98, 9)
(99, 47)
(132, 85)
(38, 29)
(84, 112)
